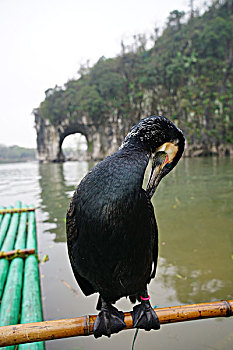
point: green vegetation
(16, 154)
(187, 75)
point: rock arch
(74, 147)
(102, 139)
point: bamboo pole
(83, 326)
(31, 310)
(4, 227)
(16, 210)
(17, 253)
(8, 244)
(10, 303)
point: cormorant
(112, 234)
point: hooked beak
(156, 175)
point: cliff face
(202, 150)
(102, 140)
(48, 141)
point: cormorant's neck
(135, 146)
(134, 160)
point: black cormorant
(112, 234)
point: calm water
(194, 210)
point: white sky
(43, 43)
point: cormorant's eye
(169, 166)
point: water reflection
(194, 211)
(57, 182)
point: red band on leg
(145, 299)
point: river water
(194, 211)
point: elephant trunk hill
(186, 75)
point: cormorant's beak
(159, 161)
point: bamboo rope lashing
(16, 210)
(83, 326)
(17, 253)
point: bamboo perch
(16, 210)
(22, 253)
(72, 327)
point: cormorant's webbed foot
(108, 321)
(144, 316)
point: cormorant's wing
(72, 232)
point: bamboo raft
(19, 274)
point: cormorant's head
(163, 141)
(161, 166)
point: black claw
(108, 321)
(144, 317)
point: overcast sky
(43, 43)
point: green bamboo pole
(21, 236)
(10, 305)
(8, 244)
(31, 236)
(4, 227)
(31, 303)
